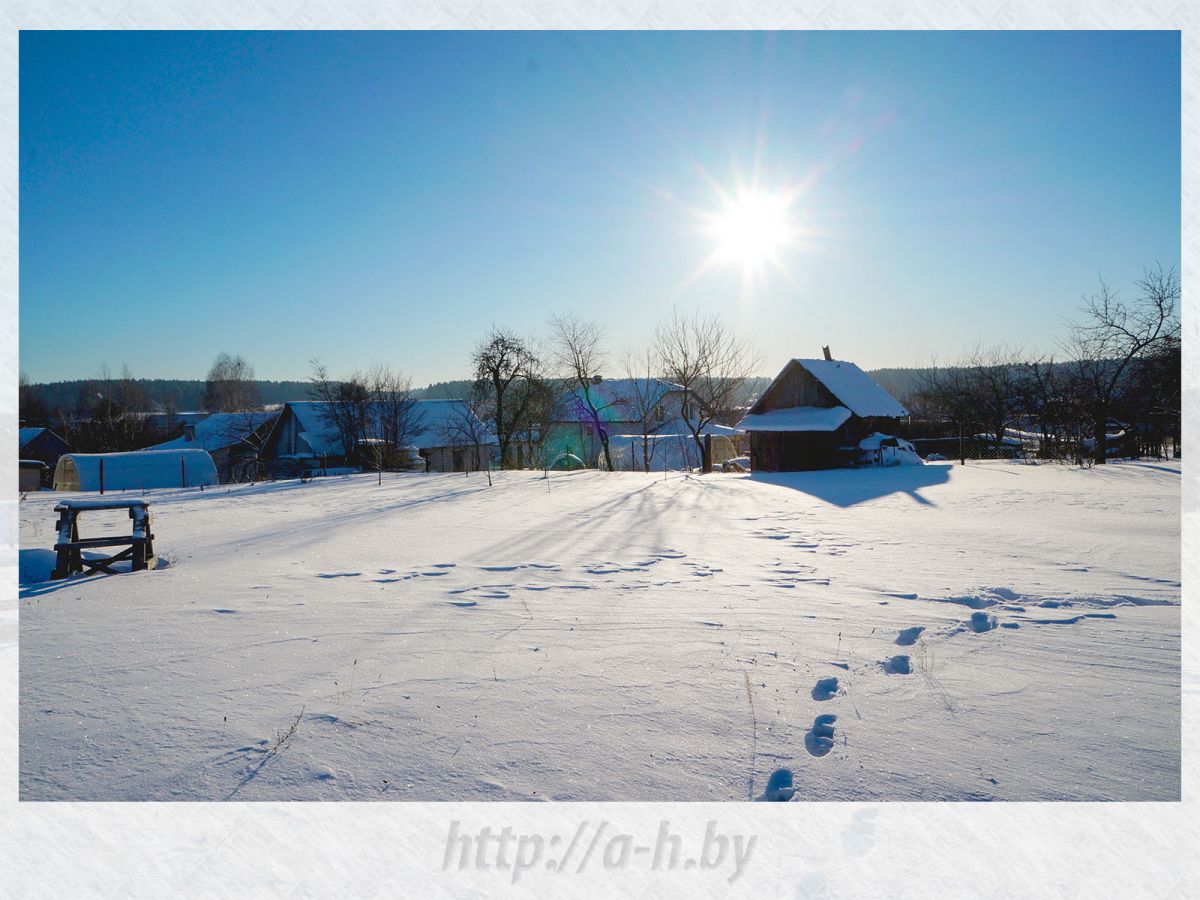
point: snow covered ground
(990, 631)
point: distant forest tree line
(1117, 365)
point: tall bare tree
(346, 407)
(464, 431)
(579, 356)
(230, 385)
(509, 386)
(396, 415)
(709, 362)
(645, 398)
(1115, 333)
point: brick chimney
(825, 350)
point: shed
(140, 470)
(31, 474)
(813, 415)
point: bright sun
(752, 228)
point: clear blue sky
(386, 196)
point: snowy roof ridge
(853, 387)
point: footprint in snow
(780, 787)
(981, 622)
(908, 636)
(897, 665)
(825, 689)
(819, 739)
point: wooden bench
(139, 545)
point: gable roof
(440, 418)
(219, 430)
(25, 435)
(851, 387)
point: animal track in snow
(908, 636)
(819, 739)
(897, 665)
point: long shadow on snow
(849, 487)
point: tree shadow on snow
(849, 487)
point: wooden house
(815, 413)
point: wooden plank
(84, 505)
(84, 543)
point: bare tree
(110, 415)
(645, 398)
(346, 407)
(578, 353)
(245, 433)
(509, 386)
(230, 385)
(1113, 334)
(997, 391)
(709, 362)
(465, 431)
(987, 389)
(396, 415)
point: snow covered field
(990, 631)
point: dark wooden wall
(795, 387)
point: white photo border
(399, 849)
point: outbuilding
(140, 470)
(815, 413)
(31, 474)
(40, 444)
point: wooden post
(706, 462)
(962, 454)
(102, 475)
(182, 472)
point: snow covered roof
(140, 469)
(797, 418)
(616, 398)
(438, 418)
(219, 430)
(442, 418)
(25, 435)
(853, 387)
